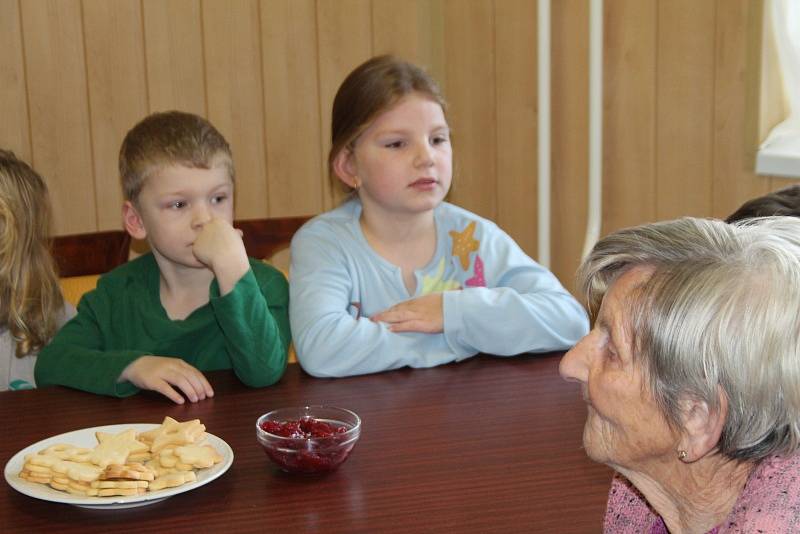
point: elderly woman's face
(624, 426)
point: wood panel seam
(89, 125)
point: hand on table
(160, 373)
(422, 314)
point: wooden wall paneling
(174, 55)
(629, 102)
(570, 136)
(59, 112)
(14, 127)
(235, 92)
(412, 30)
(470, 90)
(344, 40)
(776, 182)
(685, 106)
(516, 105)
(735, 137)
(117, 93)
(291, 107)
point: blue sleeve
(524, 308)
(330, 340)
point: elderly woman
(691, 374)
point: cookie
(78, 472)
(171, 432)
(130, 471)
(114, 492)
(198, 456)
(172, 480)
(65, 451)
(155, 466)
(115, 448)
(105, 484)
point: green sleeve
(75, 357)
(254, 319)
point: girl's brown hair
(371, 89)
(30, 295)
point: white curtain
(784, 139)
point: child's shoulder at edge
(458, 216)
(339, 217)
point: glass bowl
(308, 439)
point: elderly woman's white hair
(721, 311)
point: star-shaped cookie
(171, 432)
(115, 448)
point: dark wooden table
(485, 445)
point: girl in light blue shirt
(397, 277)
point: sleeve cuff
(453, 320)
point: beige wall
(680, 104)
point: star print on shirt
(437, 283)
(463, 244)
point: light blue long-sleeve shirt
(496, 299)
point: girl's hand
(159, 373)
(219, 246)
(422, 314)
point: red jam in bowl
(307, 444)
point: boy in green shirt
(196, 302)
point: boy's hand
(422, 314)
(219, 246)
(159, 373)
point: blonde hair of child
(169, 138)
(30, 294)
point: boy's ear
(345, 169)
(133, 221)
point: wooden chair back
(100, 252)
(263, 238)
(94, 253)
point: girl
(31, 305)
(395, 276)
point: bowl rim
(350, 434)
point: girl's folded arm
(330, 338)
(525, 309)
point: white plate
(86, 438)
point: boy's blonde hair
(169, 138)
(30, 295)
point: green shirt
(246, 330)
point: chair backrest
(95, 253)
(263, 238)
(100, 252)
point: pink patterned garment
(770, 502)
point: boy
(196, 302)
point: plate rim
(46, 493)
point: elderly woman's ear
(702, 427)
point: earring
(682, 456)
(356, 183)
